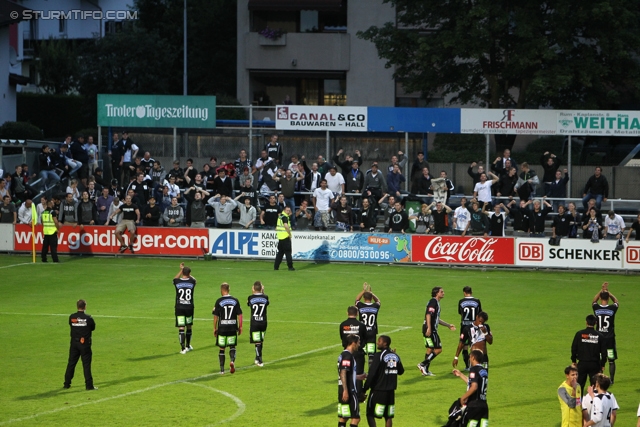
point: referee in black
(590, 352)
(82, 325)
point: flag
(34, 214)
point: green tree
(524, 54)
(57, 66)
(211, 42)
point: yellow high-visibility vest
(48, 225)
(282, 232)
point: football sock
(341, 424)
(232, 354)
(426, 360)
(372, 421)
(353, 425)
(221, 357)
(430, 359)
(181, 336)
(188, 337)
(259, 352)
(370, 359)
(612, 370)
(465, 357)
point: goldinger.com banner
(102, 240)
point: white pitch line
(247, 320)
(186, 380)
(241, 406)
(16, 265)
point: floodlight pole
(184, 59)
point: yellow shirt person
(570, 397)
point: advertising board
(508, 121)
(313, 117)
(102, 240)
(572, 253)
(443, 249)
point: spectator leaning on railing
(613, 226)
(634, 227)
(539, 216)
(461, 217)
(557, 189)
(597, 188)
(368, 216)
(223, 207)
(247, 213)
(561, 223)
(173, 215)
(575, 221)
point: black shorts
(465, 342)
(432, 341)
(369, 343)
(256, 334)
(610, 345)
(184, 317)
(350, 409)
(477, 411)
(381, 404)
(226, 340)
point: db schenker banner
(313, 246)
(572, 253)
(102, 240)
(443, 249)
(157, 111)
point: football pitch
(144, 381)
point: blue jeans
(589, 196)
(74, 165)
(48, 175)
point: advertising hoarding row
(381, 248)
(174, 111)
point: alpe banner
(313, 246)
(157, 111)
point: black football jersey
(479, 375)
(606, 315)
(184, 292)
(368, 313)
(468, 309)
(433, 308)
(346, 362)
(227, 309)
(258, 304)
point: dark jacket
(597, 186)
(558, 189)
(549, 171)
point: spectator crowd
(339, 195)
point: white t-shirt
(323, 198)
(615, 225)
(484, 191)
(334, 183)
(462, 217)
(587, 405)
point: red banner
(102, 240)
(463, 250)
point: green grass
(143, 380)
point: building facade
(306, 52)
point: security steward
(50, 226)
(81, 327)
(590, 352)
(283, 231)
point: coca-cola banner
(463, 250)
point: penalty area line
(238, 402)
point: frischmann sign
(157, 111)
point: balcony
(298, 52)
